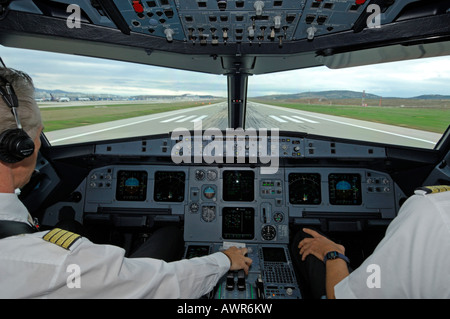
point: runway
(258, 116)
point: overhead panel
(215, 22)
(240, 21)
(329, 16)
(156, 17)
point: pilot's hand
(238, 259)
(318, 245)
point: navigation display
(169, 186)
(131, 186)
(238, 223)
(238, 186)
(305, 189)
(345, 189)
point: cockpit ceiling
(223, 36)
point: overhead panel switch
(259, 5)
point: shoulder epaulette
(432, 189)
(61, 237)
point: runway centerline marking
(278, 119)
(172, 119)
(199, 118)
(304, 119)
(187, 118)
(291, 119)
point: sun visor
(385, 54)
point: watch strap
(334, 255)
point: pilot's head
(18, 148)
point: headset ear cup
(15, 146)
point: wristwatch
(334, 255)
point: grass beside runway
(432, 119)
(58, 118)
(435, 119)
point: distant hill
(432, 97)
(345, 94)
(335, 94)
(37, 90)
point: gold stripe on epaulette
(62, 238)
(434, 189)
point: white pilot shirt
(31, 267)
(412, 260)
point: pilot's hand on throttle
(238, 259)
(318, 245)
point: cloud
(399, 79)
(92, 75)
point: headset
(15, 144)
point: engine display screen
(238, 186)
(238, 223)
(345, 189)
(131, 186)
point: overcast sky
(87, 75)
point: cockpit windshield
(85, 99)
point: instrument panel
(243, 202)
(236, 203)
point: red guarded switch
(138, 7)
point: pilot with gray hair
(62, 264)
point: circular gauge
(208, 213)
(193, 208)
(209, 192)
(278, 217)
(199, 175)
(268, 232)
(305, 189)
(211, 175)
